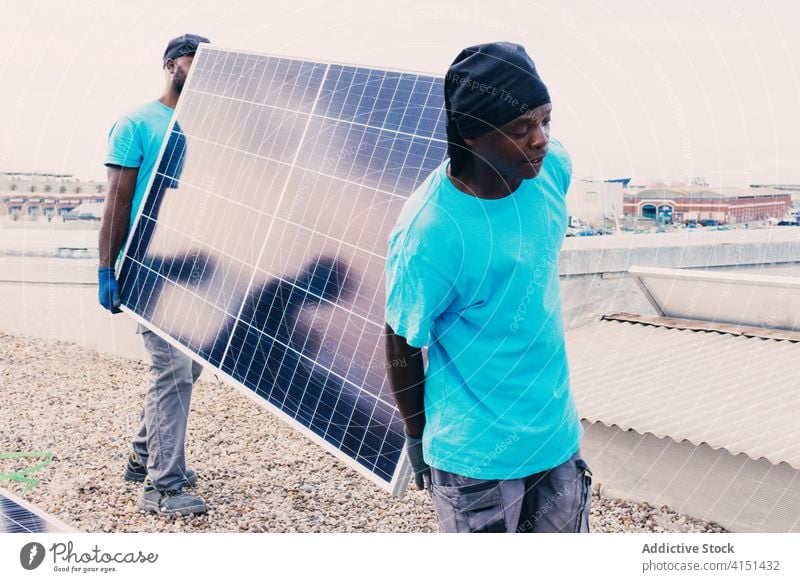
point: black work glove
(422, 471)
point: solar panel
(260, 247)
(16, 516)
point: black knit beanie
(490, 84)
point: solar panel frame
(24, 517)
(398, 483)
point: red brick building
(726, 205)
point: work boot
(135, 471)
(171, 502)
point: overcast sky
(647, 89)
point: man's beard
(177, 84)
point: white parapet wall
(739, 493)
(57, 298)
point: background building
(668, 204)
(33, 195)
(793, 189)
(597, 203)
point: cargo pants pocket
(475, 507)
(559, 500)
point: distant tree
(47, 187)
(13, 187)
(100, 188)
(33, 188)
(62, 189)
(77, 189)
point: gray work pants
(556, 500)
(162, 432)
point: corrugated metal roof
(730, 391)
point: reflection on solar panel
(737, 298)
(16, 516)
(261, 245)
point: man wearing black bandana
(472, 274)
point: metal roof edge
(693, 442)
(707, 326)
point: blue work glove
(422, 471)
(109, 290)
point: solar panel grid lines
(261, 245)
(234, 258)
(266, 238)
(18, 516)
(305, 169)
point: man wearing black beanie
(472, 273)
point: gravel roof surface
(256, 474)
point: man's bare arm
(406, 373)
(117, 215)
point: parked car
(85, 211)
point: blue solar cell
(260, 247)
(15, 517)
(384, 100)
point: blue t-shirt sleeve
(124, 145)
(418, 289)
(564, 165)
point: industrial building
(597, 203)
(696, 203)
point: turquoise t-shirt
(135, 141)
(477, 282)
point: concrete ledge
(68, 313)
(616, 253)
